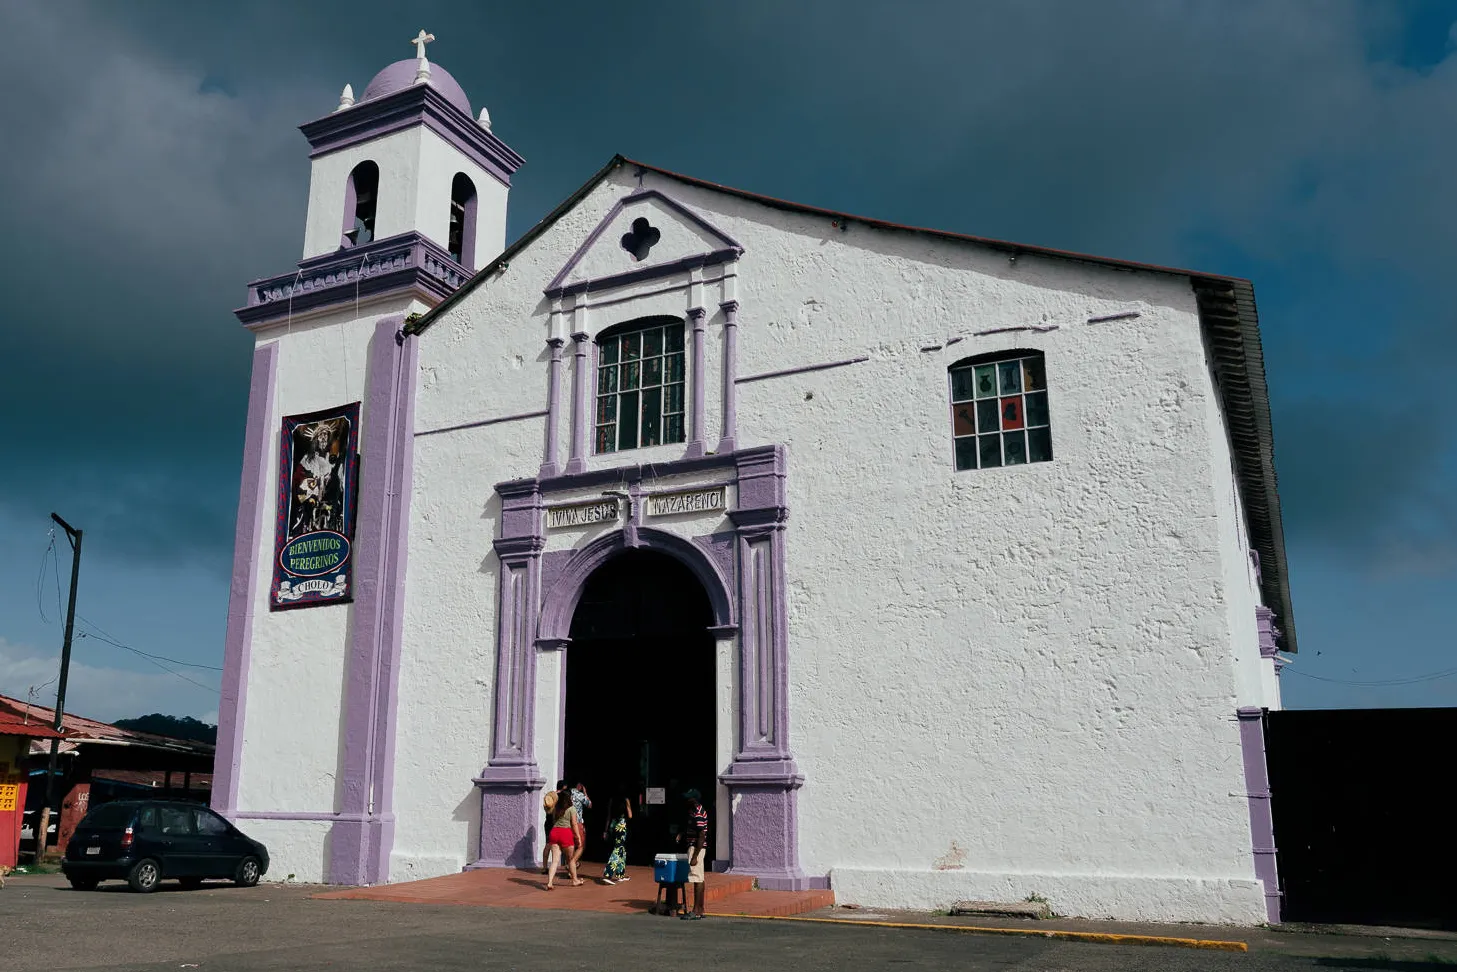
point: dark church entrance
(640, 699)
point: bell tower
(407, 199)
(407, 195)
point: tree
(183, 727)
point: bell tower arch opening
(640, 697)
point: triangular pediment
(646, 234)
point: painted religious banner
(318, 466)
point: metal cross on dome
(420, 41)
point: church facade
(946, 568)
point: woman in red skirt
(564, 836)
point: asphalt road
(44, 925)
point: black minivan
(145, 841)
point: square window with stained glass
(999, 413)
(640, 388)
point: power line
(56, 572)
(35, 689)
(146, 654)
(1432, 677)
(150, 660)
(40, 575)
(101, 634)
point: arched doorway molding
(742, 572)
(560, 603)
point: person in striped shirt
(696, 836)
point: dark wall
(1364, 825)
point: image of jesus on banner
(317, 496)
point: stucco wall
(1002, 681)
(295, 679)
(400, 182)
(439, 162)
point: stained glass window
(999, 413)
(640, 387)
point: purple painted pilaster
(258, 459)
(763, 776)
(762, 722)
(695, 405)
(553, 406)
(509, 781)
(728, 437)
(1257, 786)
(362, 839)
(578, 462)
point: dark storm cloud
(1368, 462)
(153, 166)
(138, 201)
(1293, 143)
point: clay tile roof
(19, 718)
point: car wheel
(248, 873)
(191, 883)
(83, 884)
(144, 876)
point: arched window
(462, 237)
(640, 372)
(999, 410)
(361, 196)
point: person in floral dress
(619, 812)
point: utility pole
(43, 830)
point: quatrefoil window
(644, 237)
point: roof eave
(1228, 315)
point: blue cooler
(670, 868)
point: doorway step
(727, 894)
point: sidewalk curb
(1106, 938)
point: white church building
(946, 568)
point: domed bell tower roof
(414, 90)
(401, 75)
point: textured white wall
(1015, 680)
(295, 847)
(291, 726)
(400, 180)
(439, 162)
(447, 661)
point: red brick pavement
(728, 894)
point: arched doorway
(640, 696)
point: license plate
(93, 850)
